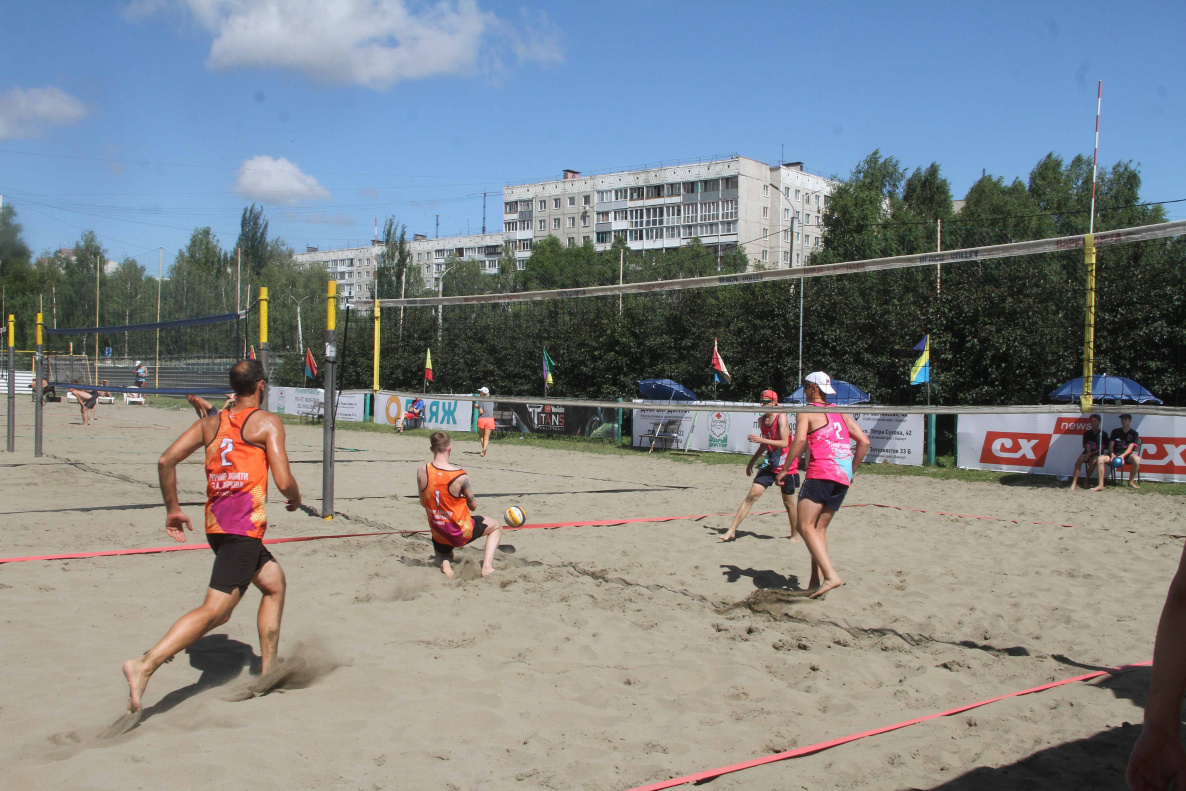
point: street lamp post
(300, 335)
(441, 308)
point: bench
(663, 431)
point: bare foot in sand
(826, 586)
(487, 571)
(447, 569)
(1099, 488)
(729, 535)
(137, 673)
(1133, 484)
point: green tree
(253, 240)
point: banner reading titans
(573, 421)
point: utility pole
(160, 271)
(438, 231)
(238, 277)
(98, 265)
(621, 271)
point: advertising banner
(554, 419)
(1049, 444)
(894, 439)
(310, 401)
(440, 411)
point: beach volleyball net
(175, 357)
(1003, 322)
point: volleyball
(514, 516)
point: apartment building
(773, 211)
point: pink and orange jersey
(776, 458)
(831, 451)
(449, 518)
(236, 479)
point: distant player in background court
(830, 468)
(241, 444)
(87, 399)
(485, 419)
(449, 501)
(204, 408)
(774, 442)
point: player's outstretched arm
(1158, 756)
(273, 441)
(858, 434)
(176, 522)
(467, 492)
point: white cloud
(374, 43)
(276, 180)
(26, 113)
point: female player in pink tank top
(829, 473)
(774, 443)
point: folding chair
(1127, 467)
(663, 431)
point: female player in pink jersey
(828, 437)
(773, 442)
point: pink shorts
(486, 422)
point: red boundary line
(821, 746)
(541, 526)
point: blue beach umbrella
(846, 395)
(1105, 388)
(664, 390)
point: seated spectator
(1123, 450)
(415, 412)
(1092, 442)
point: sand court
(601, 657)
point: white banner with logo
(1049, 444)
(310, 402)
(894, 439)
(440, 412)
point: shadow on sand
(220, 660)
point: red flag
(251, 354)
(720, 372)
(428, 367)
(310, 366)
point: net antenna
(1085, 401)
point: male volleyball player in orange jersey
(242, 443)
(449, 501)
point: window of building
(636, 218)
(543, 205)
(825, 201)
(602, 216)
(707, 229)
(620, 214)
(619, 234)
(572, 200)
(765, 212)
(572, 222)
(729, 209)
(620, 194)
(786, 214)
(418, 255)
(710, 185)
(655, 191)
(634, 235)
(796, 215)
(543, 225)
(807, 240)
(556, 223)
(438, 253)
(675, 189)
(796, 237)
(585, 200)
(603, 237)
(765, 190)
(572, 241)
(765, 232)
(520, 265)
(817, 200)
(797, 258)
(584, 239)
(690, 187)
(511, 207)
(786, 236)
(688, 231)
(807, 219)
(729, 227)
(729, 183)
(524, 244)
(710, 211)
(786, 256)
(796, 194)
(765, 255)
(673, 214)
(786, 191)
(672, 232)
(585, 220)
(525, 205)
(637, 193)
(604, 196)
(691, 211)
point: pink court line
(541, 526)
(821, 746)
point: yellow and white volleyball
(514, 517)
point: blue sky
(143, 120)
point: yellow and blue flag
(920, 372)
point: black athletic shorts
(92, 401)
(236, 560)
(766, 477)
(480, 528)
(829, 494)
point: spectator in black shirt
(1092, 442)
(1124, 442)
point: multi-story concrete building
(772, 211)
